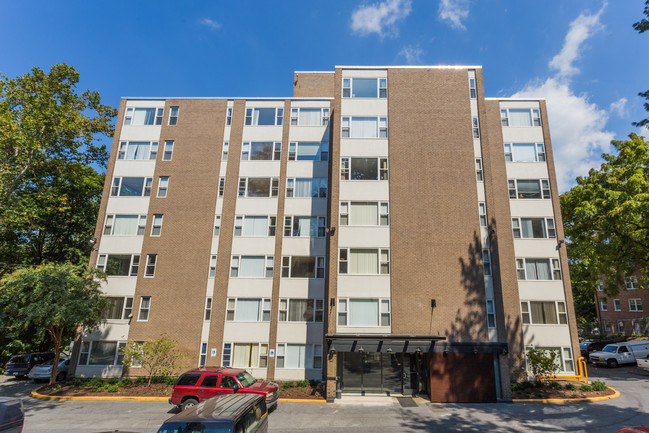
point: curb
(36, 394)
(568, 400)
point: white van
(616, 354)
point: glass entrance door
(375, 373)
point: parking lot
(631, 409)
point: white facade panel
(121, 244)
(302, 288)
(128, 205)
(363, 286)
(255, 206)
(365, 107)
(527, 170)
(536, 248)
(246, 332)
(531, 208)
(297, 246)
(365, 73)
(364, 330)
(364, 147)
(309, 133)
(363, 237)
(263, 133)
(120, 286)
(300, 333)
(305, 206)
(547, 335)
(364, 190)
(250, 287)
(134, 168)
(307, 169)
(259, 168)
(519, 104)
(524, 134)
(254, 246)
(140, 133)
(223, 169)
(541, 291)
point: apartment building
(389, 230)
(624, 313)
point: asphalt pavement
(631, 409)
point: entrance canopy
(406, 344)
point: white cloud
(411, 54)
(380, 18)
(210, 23)
(454, 11)
(578, 126)
(583, 27)
(618, 107)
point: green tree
(49, 140)
(52, 300)
(642, 26)
(543, 362)
(158, 357)
(606, 217)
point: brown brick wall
(178, 289)
(611, 316)
(313, 84)
(434, 231)
(462, 378)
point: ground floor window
(563, 360)
(299, 356)
(250, 355)
(101, 353)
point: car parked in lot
(590, 346)
(616, 354)
(199, 384)
(44, 371)
(12, 415)
(232, 413)
(21, 365)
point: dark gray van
(21, 365)
(230, 413)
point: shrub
(302, 383)
(96, 382)
(554, 385)
(112, 388)
(543, 362)
(287, 385)
(516, 386)
(314, 382)
(125, 381)
(571, 387)
(141, 379)
(598, 385)
(156, 358)
(585, 388)
(114, 380)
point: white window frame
(143, 308)
(294, 150)
(323, 187)
(554, 267)
(319, 270)
(149, 268)
(346, 126)
(134, 266)
(250, 117)
(285, 308)
(549, 227)
(539, 152)
(620, 326)
(382, 169)
(324, 116)
(156, 225)
(635, 305)
(310, 364)
(163, 190)
(383, 213)
(544, 185)
(276, 153)
(228, 116)
(345, 252)
(224, 151)
(116, 187)
(265, 309)
(212, 271)
(491, 314)
(127, 305)
(271, 225)
(535, 117)
(235, 263)
(560, 311)
(473, 91)
(482, 213)
(202, 357)
(123, 150)
(173, 115)
(168, 151)
(486, 262)
(617, 305)
(86, 349)
(321, 223)
(217, 225)
(221, 186)
(383, 313)
(475, 126)
(631, 283)
(157, 119)
(603, 304)
(565, 357)
(479, 171)
(273, 187)
(229, 348)
(381, 88)
(208, 309)
(600, 285)
(109, 225)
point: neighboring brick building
(624, 313)
(386, 229)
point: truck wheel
(612, 363)
(60, 377)
(190, 402)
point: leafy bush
(516, 386)
(598, 385)
(112, 388)
(571, 387)
(141, 379)
(543, 362)
(96, 382)
(302, 383)
(126, 381)
(586, 388)
(287, 385)
(169, 380)
(156, 358)
(554, 385)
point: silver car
(43, 371)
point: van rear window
(187, 380)
(18, 359)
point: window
(212, 272)
(486, 262)
(248, 310)
(151, 259)
(309, 116)
(137, 150)
(217, 225)
(145, 307)
(364, 169)
(251, 267)
(520, 117)
(473, 94)
(301, 310)
(203, 356)
(563, 358)
(299, 356)
(616, 305)
(600, 286)
(261, 151)
(631, 283)
(124, 225)
(529, 188)
(168, 150)
(255, 226)
(482, 212)
(208, 309)
(156, 225)
(303, 267)
(364, 127)
(173, 116)
(221, 186)
(479, 174)
(308, 151)
(538, 269)
(131, 187)
(603, 304)
(533, 228)
(119, 265)
(635, 304)
(258, 186)
(365, 87)
(544, 313)
(143, 116)
(163, 185)
(227, 355)
(101, 353)
(306, 187)
(476, 127)
(264, 116)
(359, 213)
(228, 116)
(363, 312)
(491, 314)
(226, 148)
(305, 226)
(620, 327)
(119, 308)
(524, 152)
(246, 355)
(364, 261)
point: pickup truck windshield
(246, 379)
(612, 349)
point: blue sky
(581, 55)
